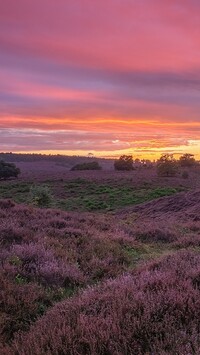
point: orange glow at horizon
(116, 154)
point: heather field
(109, 266)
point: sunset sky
(103, 76)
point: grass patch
(17, 191)
(147, 252)
(84, 195)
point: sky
(106, 77)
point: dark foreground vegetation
(109, 263)
(155, 310)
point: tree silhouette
(187, 160)
(125, 162)
(167, 165)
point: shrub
(167, 165)
(94, 165)
(125, 162)
(40, 195)
(8, 170)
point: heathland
(99, 262)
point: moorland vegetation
(100, 262)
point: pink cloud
(100, 67)
(114, 34)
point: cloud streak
(99, 75)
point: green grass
(84, 195)
(146, 252)
(17, 191)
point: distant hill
(65, 160)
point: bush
(125, 162)
(94, 165)
(167, 165)
(8, 170)
(40, 195)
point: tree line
(167, 165)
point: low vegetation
(101, 263)
(143, 279)
(155, 310)
(47, 255)
(82, 195)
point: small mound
(182, 204)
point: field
(110, 265)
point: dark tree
(167, 165)
(187, 160)
(8, 170)
(125, 162)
